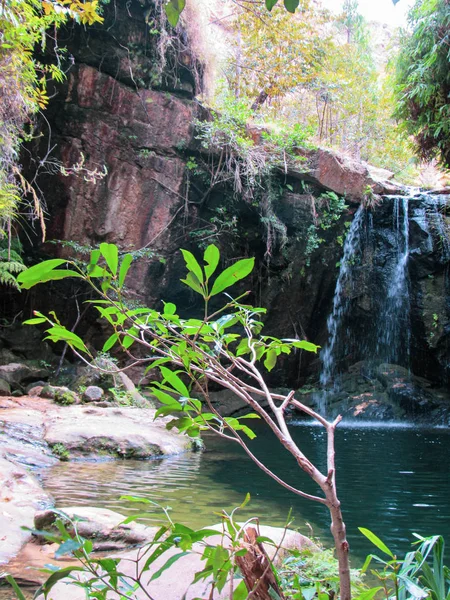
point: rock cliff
(131, 111)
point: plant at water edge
(412, 576)
(313, 573)
(201, 351)
(222, 559)
(60, 451)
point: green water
(392, 479)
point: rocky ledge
(35, 433)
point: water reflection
(392, 481)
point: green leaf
(95, 255)
(43, 272)
(97, 271)
(232, 274)
(164, 397)
(167, 565)
(241, 592)
(55, 577)
(173, 9)
(169, 308)
(271, 360)
(246, 500)
(125, 265)
(68, 547)
(43, 267)
(192, 264)
(248, 432)
(270, 4)
(376, 541)
(174, 381)
(36, 321)
(12, 582)
(303, 345)
(211, 258)
(58, 333)
(110, 342)
(193, 282)
(110, 253)
(291, 5)
(368, 594)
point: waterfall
(394, 328)
(342, 296)
(370, 319)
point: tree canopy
(423, 79)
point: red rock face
(135, 136)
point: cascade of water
(394, 332)
(341, 297)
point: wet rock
(35, 389)
(227, 403)
(92, 393)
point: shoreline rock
(31, 427)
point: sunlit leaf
(233, 274)
(211, 258)
(110, 253)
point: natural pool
(392, 478)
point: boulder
(60, 394)
(7, 356)
(17, 373)
(118, 433)
(93, 393)
(227, 403)
(342, 175)
(101, 525)
(5, 388)
(26, 342)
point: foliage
(320, 75)
(313, 573)
(172, 541)
(276, 52)
(423, 78)
(412, 576)
(328, 209)
(11, 265)
(174, 8)
(24, 79)
(61, 452)
(225, 347)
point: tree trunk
(256, 569)
(259, 100)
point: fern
(10, 266)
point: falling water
(370, 318)
(394, 328)
(341, 298)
